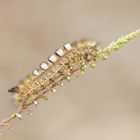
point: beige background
(104, 104)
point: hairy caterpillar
(59, 67)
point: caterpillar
(64, 63)
(60, 66)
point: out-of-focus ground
(104, 104)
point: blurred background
(104, 103)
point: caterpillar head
(16, 95)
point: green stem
(114, 46)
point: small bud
(104, 57)
(68, 78)
(53, 90)
(61, 84)
(108, 50)
(83, 64)
(18, 116)
(77, 75)
(71, 68)
(92, 65)
(116, 48)
(36, 103)
(45, 98)
(9, 126)
(82, 71)
(29, 112)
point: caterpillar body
(59, 66)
